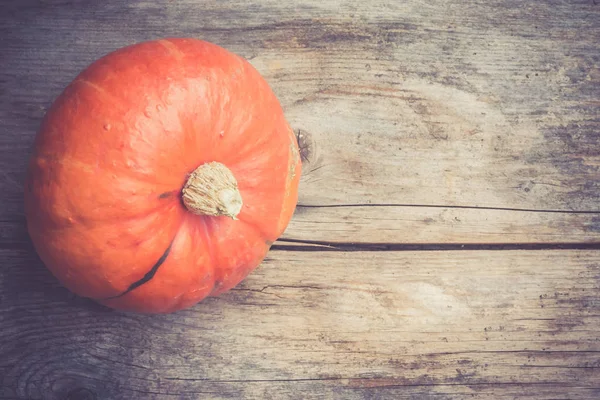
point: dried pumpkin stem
(212, 190)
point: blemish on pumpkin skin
(165, 195)
(293, 162)
(295, 155)
(217, 285)
(147, 277)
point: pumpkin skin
(103, 196)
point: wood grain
(465, 104)
(466, 125)
(412, 225)
(314, 325)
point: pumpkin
(160, 176)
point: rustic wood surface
(447, 241)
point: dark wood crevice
(397, 382)
(483, 115)
(463, 207)
(284, 244)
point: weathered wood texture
(472, 104)
(313, 325)
(425, 125)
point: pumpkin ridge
(69, 161)
(205, 231)
(109, 97)
(256, 229)
(167, 205)
(148, 276)
(241, 156)
(172, 48)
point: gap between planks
(307, 245)
(406, 226)
(464, 207)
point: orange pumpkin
(160, 176)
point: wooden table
(446, 244)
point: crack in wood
(263, 290)
(533, 210)
(357, 379)
(310, 245)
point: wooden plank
(407, 224)
(401, 104)
(457, 122)
(430, 324)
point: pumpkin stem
(212, 190)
